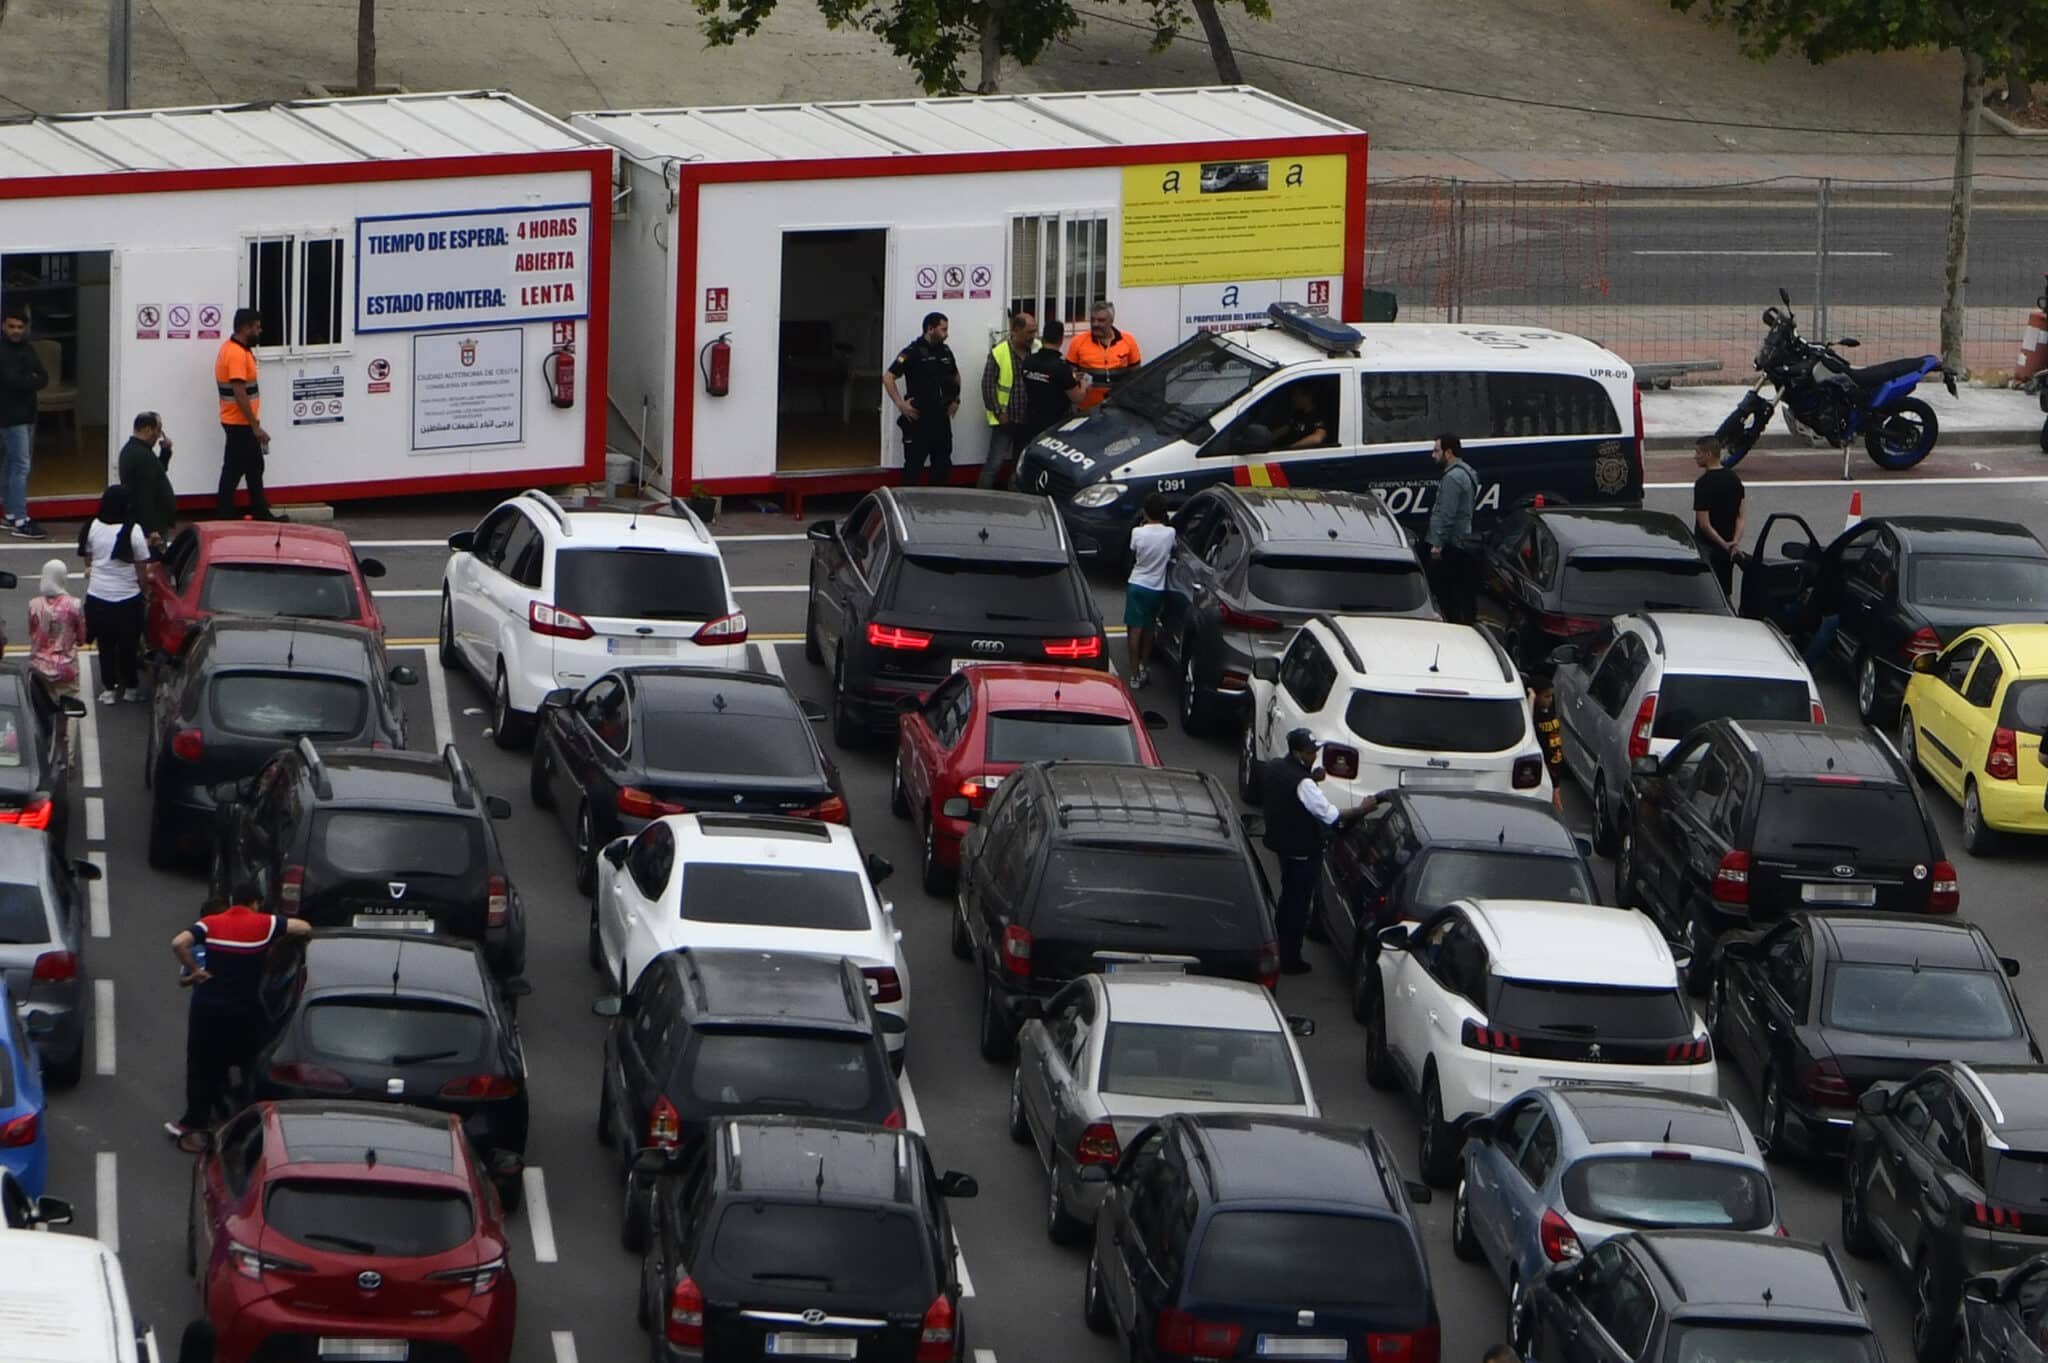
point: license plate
(1569, 1082)
(1863, 895)
(812, 1346)
(1293, 1346)
(638, 646)
(1140, 967)
(394, 922)
(1423, 776)
(362, 1350)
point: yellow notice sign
(1211, 222)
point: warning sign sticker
(956, 282)
(149, 321)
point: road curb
(1783, 440)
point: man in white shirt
(1145, 593)
(1297, 817)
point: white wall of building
(643, 330)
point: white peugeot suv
(541, 596)
(1395, 702)
(1489, 997)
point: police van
(1306, 401)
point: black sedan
(1816, 1009)
(2004, 1316)
(1557, 574)
(647, 741)
(378, 1017)
(35, 782)
(1890, 590)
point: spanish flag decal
(1259, 475)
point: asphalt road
(576, 1285)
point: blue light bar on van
(1326, 334)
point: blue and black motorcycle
(1830, 402)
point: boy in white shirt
(1151, 549)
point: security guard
(1003, 396)
(931, 383)
(1101, 351)
(1298, 816)
(226, 1021)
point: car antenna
(1831, 764)
(1667, 1132)
(1436, 657)
(277, 545)
(1333, 532)
(370, 1157)
(718, 701)
(1503, 838)
(1767, 1296)
(984, 534)
(634, 524)
(291, 647)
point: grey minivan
(42, 933)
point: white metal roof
(300, 132)
(920, 127)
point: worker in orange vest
(1101, 351)
(241, 410)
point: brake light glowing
(1269, 964)
(290, 885)
(977, 790)
(884, 985)
(1639, 732)
(555, 622)
(686, 1315)
(638, 804)
(300, 1075)
(726, 629)
(34, 814)
(2002, 762)
(1483, 1038)
(1418, 1346)
(1943, 896)
(1340, 760)
(1098, 1145)
(1257, 624)
(499, 906)
(20, 1132)
(895, 636)
(52, 966)
(1560, 1241)
(664, 1125)
(1994, 1217)
(188, 745)
(1924, 643)
(1731, 879)
(1565, 625)
(1017, 951)
(1825, 1085)
(1075, 650)
(1184, 1335)
(935, 1338)
(480, 1086)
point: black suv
(376, 839)
(1259, 1237)
(918, 580)
(242, 689)
(799, 1236)
(1089, 866)
(1746, 820)
(1686, 1296)
(2004, 1318)
(710, 1033)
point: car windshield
(712, 742)
(1308, 1260)
(974, 590)
(367, 843)
(774, 896)
(782, 1071)
(1911, 1001)
(24, 921)
(872, 1253)
(1609, 586)
(1686, 702)
(277, 589)
(640, 584)
(1842, 816)
(359, 1216)
(1770, 1344)
(1048, 736)
(1450, 874)
(1978, 581)
(1190, 383)
(1660, 1190)
(1417, 723)
(383, 1031)
(1200, 1064)
(1593, 1011)
(13, 728)
(284, 705)
(1359, 586)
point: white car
(64, 1297)
(540, 597)
(1437, 706)
(756, 882)
(1488, 997)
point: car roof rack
(1647, 618)
(552, 507)
(1329, 622)
(315, 768)
(458, 776)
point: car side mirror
(880, 868)
(72, 706)
(1092, 1173)
(558, 698)
(956, 807)
(823, 532)
(1794, 551)
(498, 806)
(953, 1183)
(85, 870)
(1027, 1008)
(1982, 1287)
(1875, 1101)
(1644, 767)
(615, 851)
(196, 1142)
(405, 676)
(1584, 844)
(1566, 655)
(370, 567)
(1418, 1193)
(1394, 937)
(1266, 669)
(516, 988)
(1681, 956)
(652, 1159)
(812, 711)
(1479, 1129)
(53, 1211)
(2010, 965)
(1155, 721)
(1254, 824)
(1562, 1277)
(892, 1024)
(1923, 662)
(1303, 1027)
(463, 541)
(1738, 949)
(610, 1006)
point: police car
(1307, 401)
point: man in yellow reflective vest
(1002, 394)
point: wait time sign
(424, 271)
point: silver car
(42, 913)
(1110, 1053)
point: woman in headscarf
(115, 549)
(56, 625)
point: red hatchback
(257, 568)
(988, 719)
(348, 1230)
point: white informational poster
(1225, 307)
(468, 388)
(493, 265)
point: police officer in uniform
(1297, 817)
(927, 402)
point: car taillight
(894, 1121)
(1188, 1336)
(188, 745)
(1993, 1217)
(935, 1338)
(1483, 1038)
(480, 1086)
(542, 618)
(1566, 625)
(977, 790)
(499, 906)
(1924, 643)
(1269, 964)
(884, 984)
(1257, 624)
(1639, 732)
(895, 636)
(1820, 713)
(1695, 1052)
(1942, 895)
(2002, 762)
(300, 1075)
(1560, 1241)
(1528, 773)
(1826, 1087)
(1416, 1346)
(686, 1315)
(252, 1263)
(481, 1279)
(1078, 649)
(1731, 879)
(52, 966)
(832, 809)
(19, 1132)
(1017, 950)
(1340, 760)
(664, 1125)
(34, 814)
(1098, 1145)
(726, 629)
(289, 886)
(638, 804)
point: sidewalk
(1673, 419)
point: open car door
(1780, 572)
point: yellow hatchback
(1972, 721)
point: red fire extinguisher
(714, 361)
(560, 369)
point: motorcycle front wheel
(1903, 435)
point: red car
(257, 568)
(984, 722)
(348, 1230)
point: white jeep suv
(1489, 997)
(541, 596)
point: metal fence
(1678, 276)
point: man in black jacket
(1297, 816)
(21, 377)
(144, 469)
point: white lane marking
(913, 1118)
(437, 697)
(387, 593)
(95, 819)
(538, 1219)
(96, 898)
(565, 1346)
(88, 726)
(984, 1356)
(1851, 484)
(790, 589)
(960, 1267)
(103, 1027)
(1807, 255)
(770, 656)
(441, 543)
(726, 539)
(107, 1200)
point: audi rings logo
(988, 645)
(814, 1317)
(369, 1280)
(1845, 871)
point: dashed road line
(88, 729)
(437, 696)
(785, 587)
(539, 1221)
(107, 1200)
(913, 1118)
(984, 1356)
(770, 655)
(95, 819)
(103, 1027)
(96, 898)
(564, 1344)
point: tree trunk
(1219, 43)
(366, 47)
(2018, 92)
(1956, 263)
(991, 48)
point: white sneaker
(108, 698)
(131, 695)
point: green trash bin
(1381, 305)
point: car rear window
(24, 920)
(1389, 719)
(1209, 1064)
(12, 730)
(1593, 1011)
(1307, 1260)
(2017, 1178)
(1360, 586)
(1044, 736)
(1684, 703)
(2026, 707)
(393, 1032)
(1978, 581)
(1182, 896)
(364, 1217)
(1448, 874)
(1841, 816)
(281, 705)
(1771, 1344)
(782, 1071)
(1901, 1000)
(1658, 1190)
(994, 592)
(868, 1252)
(366, 843)
(775, 896)
(1609, 586)
(267, 589)
(640, 584)
(708, 743)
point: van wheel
(1464, 1240)
(997, 1040)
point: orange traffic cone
(1855, 512)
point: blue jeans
(1823, 636)
(16, 443)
